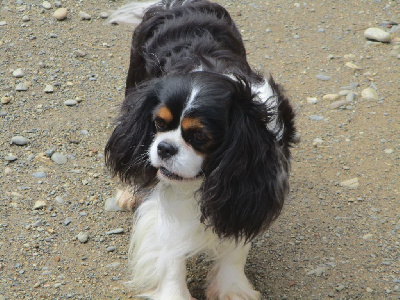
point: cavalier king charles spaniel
(208, 137)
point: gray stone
(377, 34)
(26, 18)
(21, 87)
(11, 157)
(48, 88)
(104, 15)
(339, 103)
(350, 183)
(323, 77)
(350, 96)
(369, 94)
(46, 5)
(19, 140)
(111, 249)
(113, 265)
(17, 73)
(67, 221)
(59, 158)
(316, 118)
(70, 102)
(60, 200)
(83, 237)
(84, 16)
(317, 271)
(39, 174)
(39, 204)
(3, 23)
(115, 231)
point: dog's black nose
(166, 150)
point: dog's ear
(126, 152)
(246, 178)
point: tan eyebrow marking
(189, 123)
(165, 114)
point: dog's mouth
(172, 176)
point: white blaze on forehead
(190, 103)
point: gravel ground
(61, 84)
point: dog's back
(177, 37)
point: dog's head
(212, 128)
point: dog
(208, 137)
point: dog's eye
(160, 124)
(199, 137)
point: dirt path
(332, 241)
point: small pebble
(49, 88)
(49, 152)
(60, 14)
(25, 18)
(351, 183)
(59, 158)
(67, 221)
(7, 171)
(339, 103)
(46, 5)
(350, 96)
(5, 100)
(344, 92)
(21, 87)
(331, 97)
(104, 15)
(10, 158)
(70, 102)
(340, 287)
(111, 249)
(115, 231)
(317, 142)
(323, 77)
(316, 118)
(39, 174)
(39, 204)
(311, 100)
(377, 34)
(367, 237)
(113, 265)
(369, 94)
(83, 237)
(353, 66)
(388, 151)
(17, 73)
(84, 16)
(19, 140)
(79, 53)
(3, 23)
(60, 200)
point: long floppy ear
(246, 178)
(126, 152)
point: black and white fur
(211, 135)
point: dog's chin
(166, 175)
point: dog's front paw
(126, 200)
(238, 291)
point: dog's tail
(132, 13)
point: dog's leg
(226, 280)
(158, 271)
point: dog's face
(190, 122)
(212, 128)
